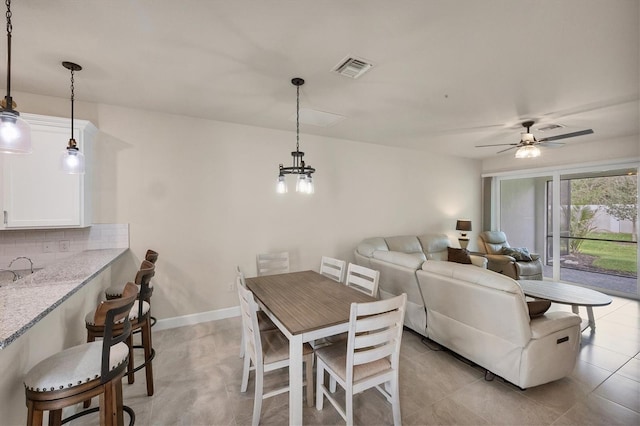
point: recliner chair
(492, 243)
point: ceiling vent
(352, 67)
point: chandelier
(304, 182)
(15, 135)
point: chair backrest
(240, 277)
(492, 242)
(143, 278)
(248, 311)
(375, 332)
(332, 268)
(151, 256)
(272, 263)
(362, 279)
(110, 313)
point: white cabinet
(35, 191)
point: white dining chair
(272, 263)
(370, 356)
(332, 268)
(264, 322)
(363, 279)
(267, 351)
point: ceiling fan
(528, 145)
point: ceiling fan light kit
(528, 147)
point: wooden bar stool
(84, 371)
(113, 292)
(140, 319)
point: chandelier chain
(8, 15)
(297, 118)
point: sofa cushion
(538, 307)
(408, 260)
(404, 244)
(458, 255)
(434, 246)
(518, 253)
(368, 246)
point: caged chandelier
(304, 182)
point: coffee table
(567, 294)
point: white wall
(202, 193)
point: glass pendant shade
(281, 186)
(15, 134)
(528, 151)
(72, 161)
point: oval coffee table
(567, 294)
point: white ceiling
(447, 74)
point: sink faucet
(22, 257)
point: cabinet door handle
(6, 217)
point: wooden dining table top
(306, 301)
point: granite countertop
(28, 300)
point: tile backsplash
(44, 246)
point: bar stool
(113, 292)
(86, 370)
(140, 319)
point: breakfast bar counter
(23, 303)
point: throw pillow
(538, 307)
(521, 254)
(458, 255)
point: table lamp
(464, 226)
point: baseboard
(192, 319)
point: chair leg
(257, 399)
(348, 399)
(34, 417)
(245, 374)
(148, 350)
(242, 343)
(395, 402)
(131, 377)
(309, 373)
(319, 385)
(55, 417)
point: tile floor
(197, 381)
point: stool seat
(133, 314)
(74, 366)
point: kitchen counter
(28, 300)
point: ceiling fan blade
(505, 150)
(497, 144)
(566, 135)
(552, 144)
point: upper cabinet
(36, 193)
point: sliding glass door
(583, 223)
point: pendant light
(304, 182)
(15, 135)
(72, 160)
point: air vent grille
(352, 67)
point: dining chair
(264, 322)
(87, 370)
(363, 279)
(332, 268)
(272, 263)
(369, 357)
(140, 319)
(266, 351)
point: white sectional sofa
(398, 258)
(483, 316)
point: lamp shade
(463, 225)
(15, 134)
(72, 161)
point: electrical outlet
(47, 247)
(231, 287)
(64, 245)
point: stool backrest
(114, 314)
(143, 278)
(151, 256)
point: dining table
(305, 306)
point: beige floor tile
(602, 357)
(621, 390)
(595, 410)
(631, 369)
(589, 375)
(444, 412)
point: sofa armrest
(499, 258)
(479, 261)
(552, 322)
